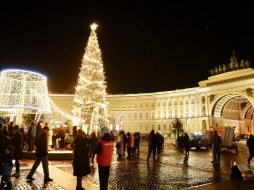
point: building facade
(222, 100)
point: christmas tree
(90, 93)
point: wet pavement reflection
(171, 170)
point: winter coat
(93, 141)
(152, 140)
(81, 149)
(17, 141)
(41, 145)
(215, 143)
(250, 143)
(31, 133)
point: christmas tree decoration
(23, 92)
(90, 93)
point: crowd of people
(41, 139)
(130, 143)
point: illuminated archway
(235, 110)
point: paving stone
(172, 170)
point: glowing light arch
(23, 91)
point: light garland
(90, 91)
(75, 120)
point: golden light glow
(93, 26)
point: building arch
(222, 100)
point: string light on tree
(90, 92)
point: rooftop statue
(233, 65)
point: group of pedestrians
(131, 143)
(155, 144)
(11, 140)
(127, 142)
(84, 149)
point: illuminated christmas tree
(90, 93)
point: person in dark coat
(41, 155)
(81, 164)
(6, 134)
(24, 144)
(93, 141)
(152, 144)
(17, 142)
(186, 143)
(215, 143)
(7, 165)
(124, 142)
(10, 129)
(38, 129)
(74, 131)
(160, 142)
(250, 145)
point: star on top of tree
(93, 26)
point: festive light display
(90, 92)
(65, 115)
(23, 92)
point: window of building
(159, 127)
(135, 115)
(146, 115)
(141, 115)
(164, 128)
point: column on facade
(161, 110)
(206, 103)
(178, 107)
(196, 107)
(190, 111)
(184, 107)
(173, 107)
(200, 106)
(156, 110)
(167, 110)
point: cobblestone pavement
(172, 170)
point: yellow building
(222, 100)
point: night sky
(147, 46)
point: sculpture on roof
(232, 66)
